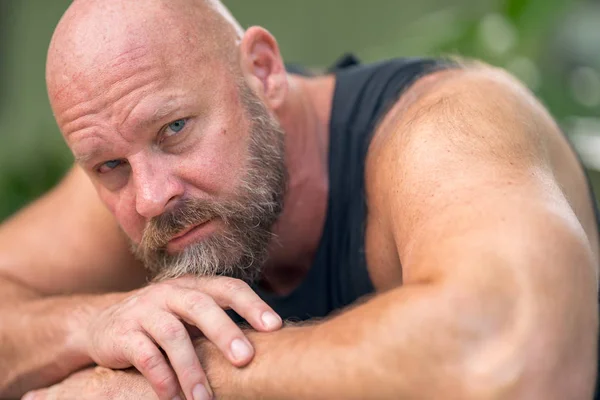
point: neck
(305, 118)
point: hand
(98, 384)
(130, 333)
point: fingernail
(176, 398)
(270, 320)
(200, 392)
(28, 396)
(241, 350)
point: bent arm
(67, 242)
(499, 295)
(52, 254)
(42, 340)
(473, 337)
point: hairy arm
(53, 255)
(500, 280)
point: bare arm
(65, 243)
(69, 303)
(499, 295)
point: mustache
(162, 228)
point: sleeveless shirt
(362, 96)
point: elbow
(529, 344)
(528, 350)
(513, 368)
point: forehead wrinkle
(98, 146)
(100, 56)
(89, 85)
(131, 101)
(129, 56)
(146, 118)
(107, 101)
(80, 125)
(97, 125)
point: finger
(146, 358)
(173, 338)
(202, 311)
(239, 296)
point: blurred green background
(552, 45)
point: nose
(155, 188)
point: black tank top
(363, 95)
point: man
(445, 191)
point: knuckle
(165, 383)
(193, 374)
(172, 331)
(121, 341)
(150, 361)
(130, 301)
(125, 327)
(158, 290)
(197, 301)
(143, 301)
(123, 349)
(234, 286)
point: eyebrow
(161, 112)
(83, 159)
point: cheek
(218, 168)
(123, 209)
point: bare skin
(124, 330)
(469, 183)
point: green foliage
(20, 186)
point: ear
(263, 66)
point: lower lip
(196, 234)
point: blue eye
(112, 164)
(109, 166)
(177, 126)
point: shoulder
(466, 135)
(476, 105)
(459, 118)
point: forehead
(128, 58)
(138, 78)
(109, 79)
(140, 102)
(93, 54)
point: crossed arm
(500, 278)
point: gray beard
(240, 249)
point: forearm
(41, 337)
(408, 343)
(398, 345)
(501, 324)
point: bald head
(164, 102)
(96, 36)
